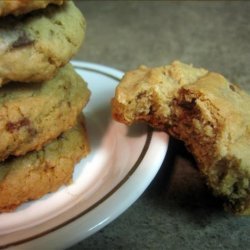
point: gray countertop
(176, 211)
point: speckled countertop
(176, 211)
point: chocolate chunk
(12, 126)
(22, 41)
(187, 105)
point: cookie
(204, 110)
(18, 7)
(31, 176)
(144, 94)
(213, 119)
(34, 46)
(31, 115)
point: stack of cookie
(42, 132)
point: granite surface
(177, 211)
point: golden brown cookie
(34, 46)
(203, 109)
(31, 115)
(18, 7)
(33, 175)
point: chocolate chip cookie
(31, 176)
(203, 109)
(31, 115)
(34, 46)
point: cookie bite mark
(144, 94)
(195, 120)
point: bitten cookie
(203, 109)
(213, 119)
(31, 176)
(18, 7)
(34, 46)
(144, 94)
(31, 115)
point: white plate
(122, 163)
